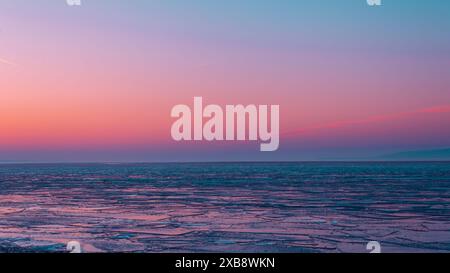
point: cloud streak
(3, 61)
(374, 119)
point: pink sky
(106, 78)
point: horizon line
(222, 161)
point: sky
(97, 82)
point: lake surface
(226, 207)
